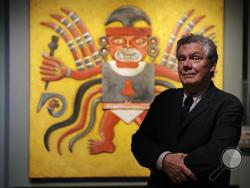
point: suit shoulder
(169, 93)
(228, 97)
(166, 97)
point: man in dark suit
(186, 130)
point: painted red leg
(105, 145)
(140, 118)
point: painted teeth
(128, 55)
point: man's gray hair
(209, 46)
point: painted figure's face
(128, 45)
(127, 49)
(193, 66)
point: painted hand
(52, 68)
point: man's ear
(212, 69)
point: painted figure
(128, 83)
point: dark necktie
(185, 109)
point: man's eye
(196, 58)
(181, 58)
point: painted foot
(96, 147)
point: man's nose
(187, 63)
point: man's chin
(188, 81)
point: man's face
(128, 49)
(193, 67)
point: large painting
(95, 67)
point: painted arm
(88, 62)
(53, 69)
(163, 71)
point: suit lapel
(179, 100)
(203, 104)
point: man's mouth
(188, 75)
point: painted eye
(139, 41)
(118, 41)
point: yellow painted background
(164, 15)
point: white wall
(233, 71)
(2, 95)
(233, 47)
